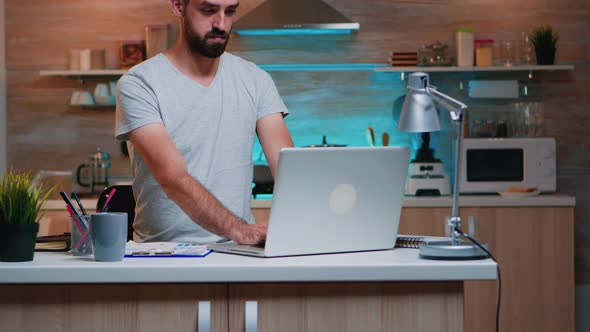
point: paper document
(165, 249)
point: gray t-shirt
(213, 128)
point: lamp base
(446, 250)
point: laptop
(332, 200)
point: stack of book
(404, 59)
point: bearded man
(190, 115)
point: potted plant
(20, 203)
(544, 39)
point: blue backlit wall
(342, 104)
(330, 88)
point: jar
(475, 128)
(484, 52)
(464, 37)
(502, 129)
(436, 54)
(488, 129)
(506, 53)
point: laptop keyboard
(260, 245)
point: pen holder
(81, 244)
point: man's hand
(250, 233)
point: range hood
(284, 17)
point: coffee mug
(109, 235)
(85, 98)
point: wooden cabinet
(403, 306)
(534, 247)
(535, 251)
(348, 307)
(108, 307)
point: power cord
(497, 267)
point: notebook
(53, 242)
(330, 200)
(165, 249)
(415, 241)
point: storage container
(484, 49)
(464, 39)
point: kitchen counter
(491, 201)
(410, 201)
(387, 265)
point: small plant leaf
(20, 200)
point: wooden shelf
(334, 67)
(267, 67)
(321, 66)
(104, 72)
(474, 69)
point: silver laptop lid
(336, 200)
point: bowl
(106, 100)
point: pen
(75, 218)
(105, 208)
(68, 202)
(79, 203)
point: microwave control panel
(546, 165)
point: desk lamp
(419, 115)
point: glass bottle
(526, 49)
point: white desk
(379, 290)
(389, 265)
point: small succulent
(20, 200)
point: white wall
(3, 123)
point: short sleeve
(269, 99)
(137, 106)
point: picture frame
(132, 52)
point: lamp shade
(418, 112)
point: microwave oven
(492, 165)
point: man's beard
(200, 45)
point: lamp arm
(457, 110)
(455, 220)
(455, 107)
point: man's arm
(273, 135)
(168, 167)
